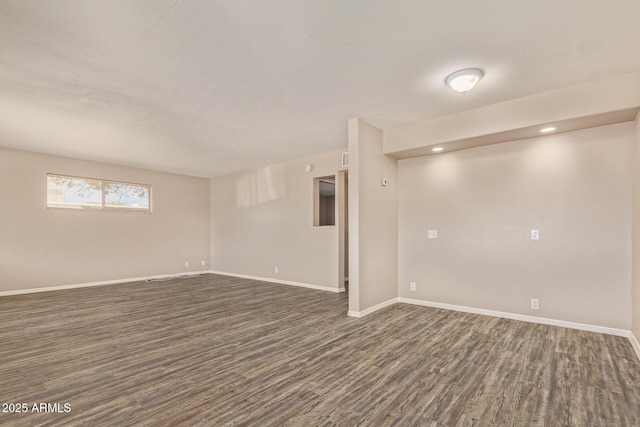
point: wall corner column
(373, 221)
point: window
(67, 192)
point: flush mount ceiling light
(547, 130)
(464, 80)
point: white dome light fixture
(464, 80)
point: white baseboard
(281, 282)
(634, 343)
(521, 317)
(102, 283)
(370, 310)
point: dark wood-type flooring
(216, 351)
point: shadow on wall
(261, 186)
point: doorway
(342, 214)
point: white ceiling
(208, 88)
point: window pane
(126, 196)
(74, 193)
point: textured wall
(636, 233)
(42, 247)
(373, 219)
(263, 219)
(574, 187)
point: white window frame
(103, 207)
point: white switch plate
(413, 286)
(535, 304)
(432, 234)
(535, 234)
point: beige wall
(263, 219)
(574, 187)
(373, 219)
(43, 248)
(636, 233)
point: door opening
(342, 213)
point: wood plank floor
(215, 351)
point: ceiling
(208, 88)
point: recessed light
(464, 80)
(547, 130)
(436, 149)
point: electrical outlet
(203, 263)
(275, 270)
(535, 304)
(432, 234)
(535, 234)
(186, 263)
(413, 286)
